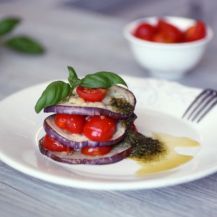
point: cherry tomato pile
(165, 32)
(96, 128)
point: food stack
(89, 125)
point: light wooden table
(89, 42)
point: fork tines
(201, 105)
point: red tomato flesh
(51, 144)
(96, 151)
(168, 32)
(99, 128)
(145, 31)
(196, 32)
(71, 123)
(159, 37)
(91, 94)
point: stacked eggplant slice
(118, 105)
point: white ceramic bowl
(169, 61)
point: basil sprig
(8, 24)
(73, 78)
(54, 93)
(20, 43)
(101, 80)
(59, 90)
(24, 44)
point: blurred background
(88, 34)
(131, 9)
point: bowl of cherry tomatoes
(170, 46)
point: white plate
(160, 105)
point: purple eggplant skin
(75, 144)
(101, 160)
(92, 111)
(89, 111)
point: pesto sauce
(121, 105)
(145, 148)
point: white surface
(167, 60)
(20, 149)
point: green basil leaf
(8, 24)
(94, 81)
(24, 44)
(53, 94)
(73, 78)
(101, 80)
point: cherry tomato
(99, 128)
(51, 144)
(96, 151)
(91, 94)
(160, 37)
(72, 123)
(196, 32)
(60, 120)
(167, 33)
(145, 31)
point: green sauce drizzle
(121, 105)
(144, 148)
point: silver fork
(201, 105)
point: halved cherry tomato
(99, 128)
(167, 33)
(96, 151)
(60, 120)
(72, 123)
(91, 94)
(196, 32)
(51, 144)
(145, 31)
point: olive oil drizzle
(169, 158)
